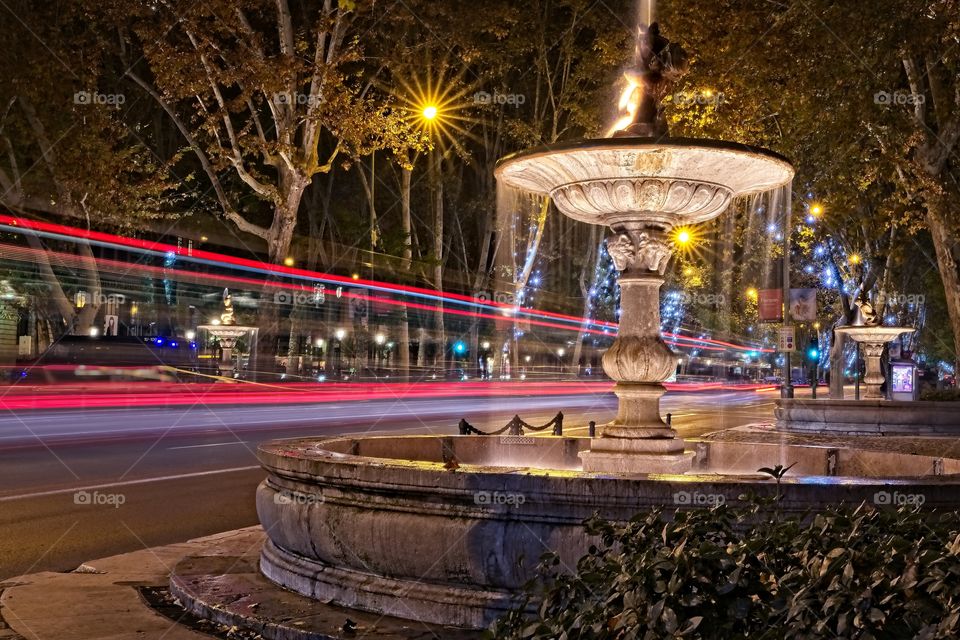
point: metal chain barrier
(515, 427)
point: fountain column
(638, 441)
(873, 376)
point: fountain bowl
(447, 529)
(670, 180)
(875, 334)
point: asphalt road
(82, 484)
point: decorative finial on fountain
(226, 318)
(658, 64)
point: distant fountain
(227, 332)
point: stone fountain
(643, 184)
(434, 528)
(872, 337)
(872, 414)
(227, 332)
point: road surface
(78, 484)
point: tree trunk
(939, 212)
(585, 291)
(279, 241)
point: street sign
(788, 339)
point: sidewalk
(100, 600)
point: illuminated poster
(902, 378)
(803, 304)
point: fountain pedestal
(638, 440)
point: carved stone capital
(622, 251)
(648, 254)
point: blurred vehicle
(113, 357)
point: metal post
(856, 377)
(816, 378)
(592, 429)
(786, 391)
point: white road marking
(213, 444)
(125, 483)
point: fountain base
(635, 456)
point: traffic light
(813, 350)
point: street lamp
(682, 236)
(340, 334)
(380, 338)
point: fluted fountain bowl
(877, 334)
(673, 180)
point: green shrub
(941, 395)
(737, 573)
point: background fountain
(872, 337)
(227, 332)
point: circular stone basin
(434, 528)
(685, 180)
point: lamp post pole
(786, 391)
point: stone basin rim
(266, 450)
(653, 144)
